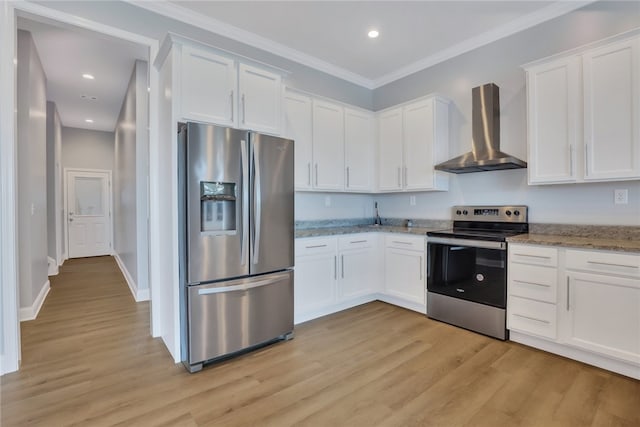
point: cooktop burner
(491, 235)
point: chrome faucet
(378, 221)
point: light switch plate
(412, 200)
(327, 201)
(621, 197)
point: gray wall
(87, 149)
(32, 161)
(55, 244)
(130, 178)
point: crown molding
(213, 25)
(545, 14)
(232, 32)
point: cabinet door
(390, 150)
(207, 87)
(315, 283)
(604, 314)
(419, 132)
(611, 111)
(357, 276)
(298, 127)
(359, 149)
(404, 275)
(260, 100)
(328, 146)
(553, 121)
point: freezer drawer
(227, 317)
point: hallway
(89, 329)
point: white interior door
(88, 213)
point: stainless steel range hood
(485, 154)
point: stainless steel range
(467, 267)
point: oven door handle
(486, 244)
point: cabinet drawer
(356, 241)
(604, 262)
(399, 241)
(534, 317)
(533, 281)
(537, 255)
(315, 245)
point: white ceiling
(332, 35)
(67, 53)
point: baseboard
(52, 267)
(30, 313)
(138, 295)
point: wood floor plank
(88, 360)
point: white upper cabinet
(260, 99)
(584, 115)
(298, 126)
(359, 140)
(217, 89)
(611, 111)
(208, 87)
(553, 107)
(412, 140)
(390, 150)
(328, 146)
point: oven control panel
(516, 213)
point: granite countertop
(579, 242)
(333, 231)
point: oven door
(473, 270)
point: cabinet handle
(231, 98)
(532, 283)
(309, 173)
(586, 158)
(244, 113)
(568, 294)
(401, 243)
(420, 267)
(399, 178)
(347, 176)
(335, 267)
(316, 174)
(532, 318)
(571, 160)
(612, 264)
(533, 256)
(405, 175)
(316, 246)
(358, 241)
(342, 264)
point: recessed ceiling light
(88, 120)
(89, 97)
(88, 76)
(373, 34)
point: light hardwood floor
(88, 360)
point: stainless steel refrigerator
(236, 220)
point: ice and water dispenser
(218, 207)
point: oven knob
(516, 213)
(458, 212)
(465, 212)
(508, 213)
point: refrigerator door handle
(241, 287)
(245, 202)
(257, 204)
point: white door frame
(66, 205)
(10, 324)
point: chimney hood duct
(485, 154)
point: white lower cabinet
(587, 308)
(405, 271)
(334, 273)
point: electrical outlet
(327, 201)
(621, 197)
(412, 200)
